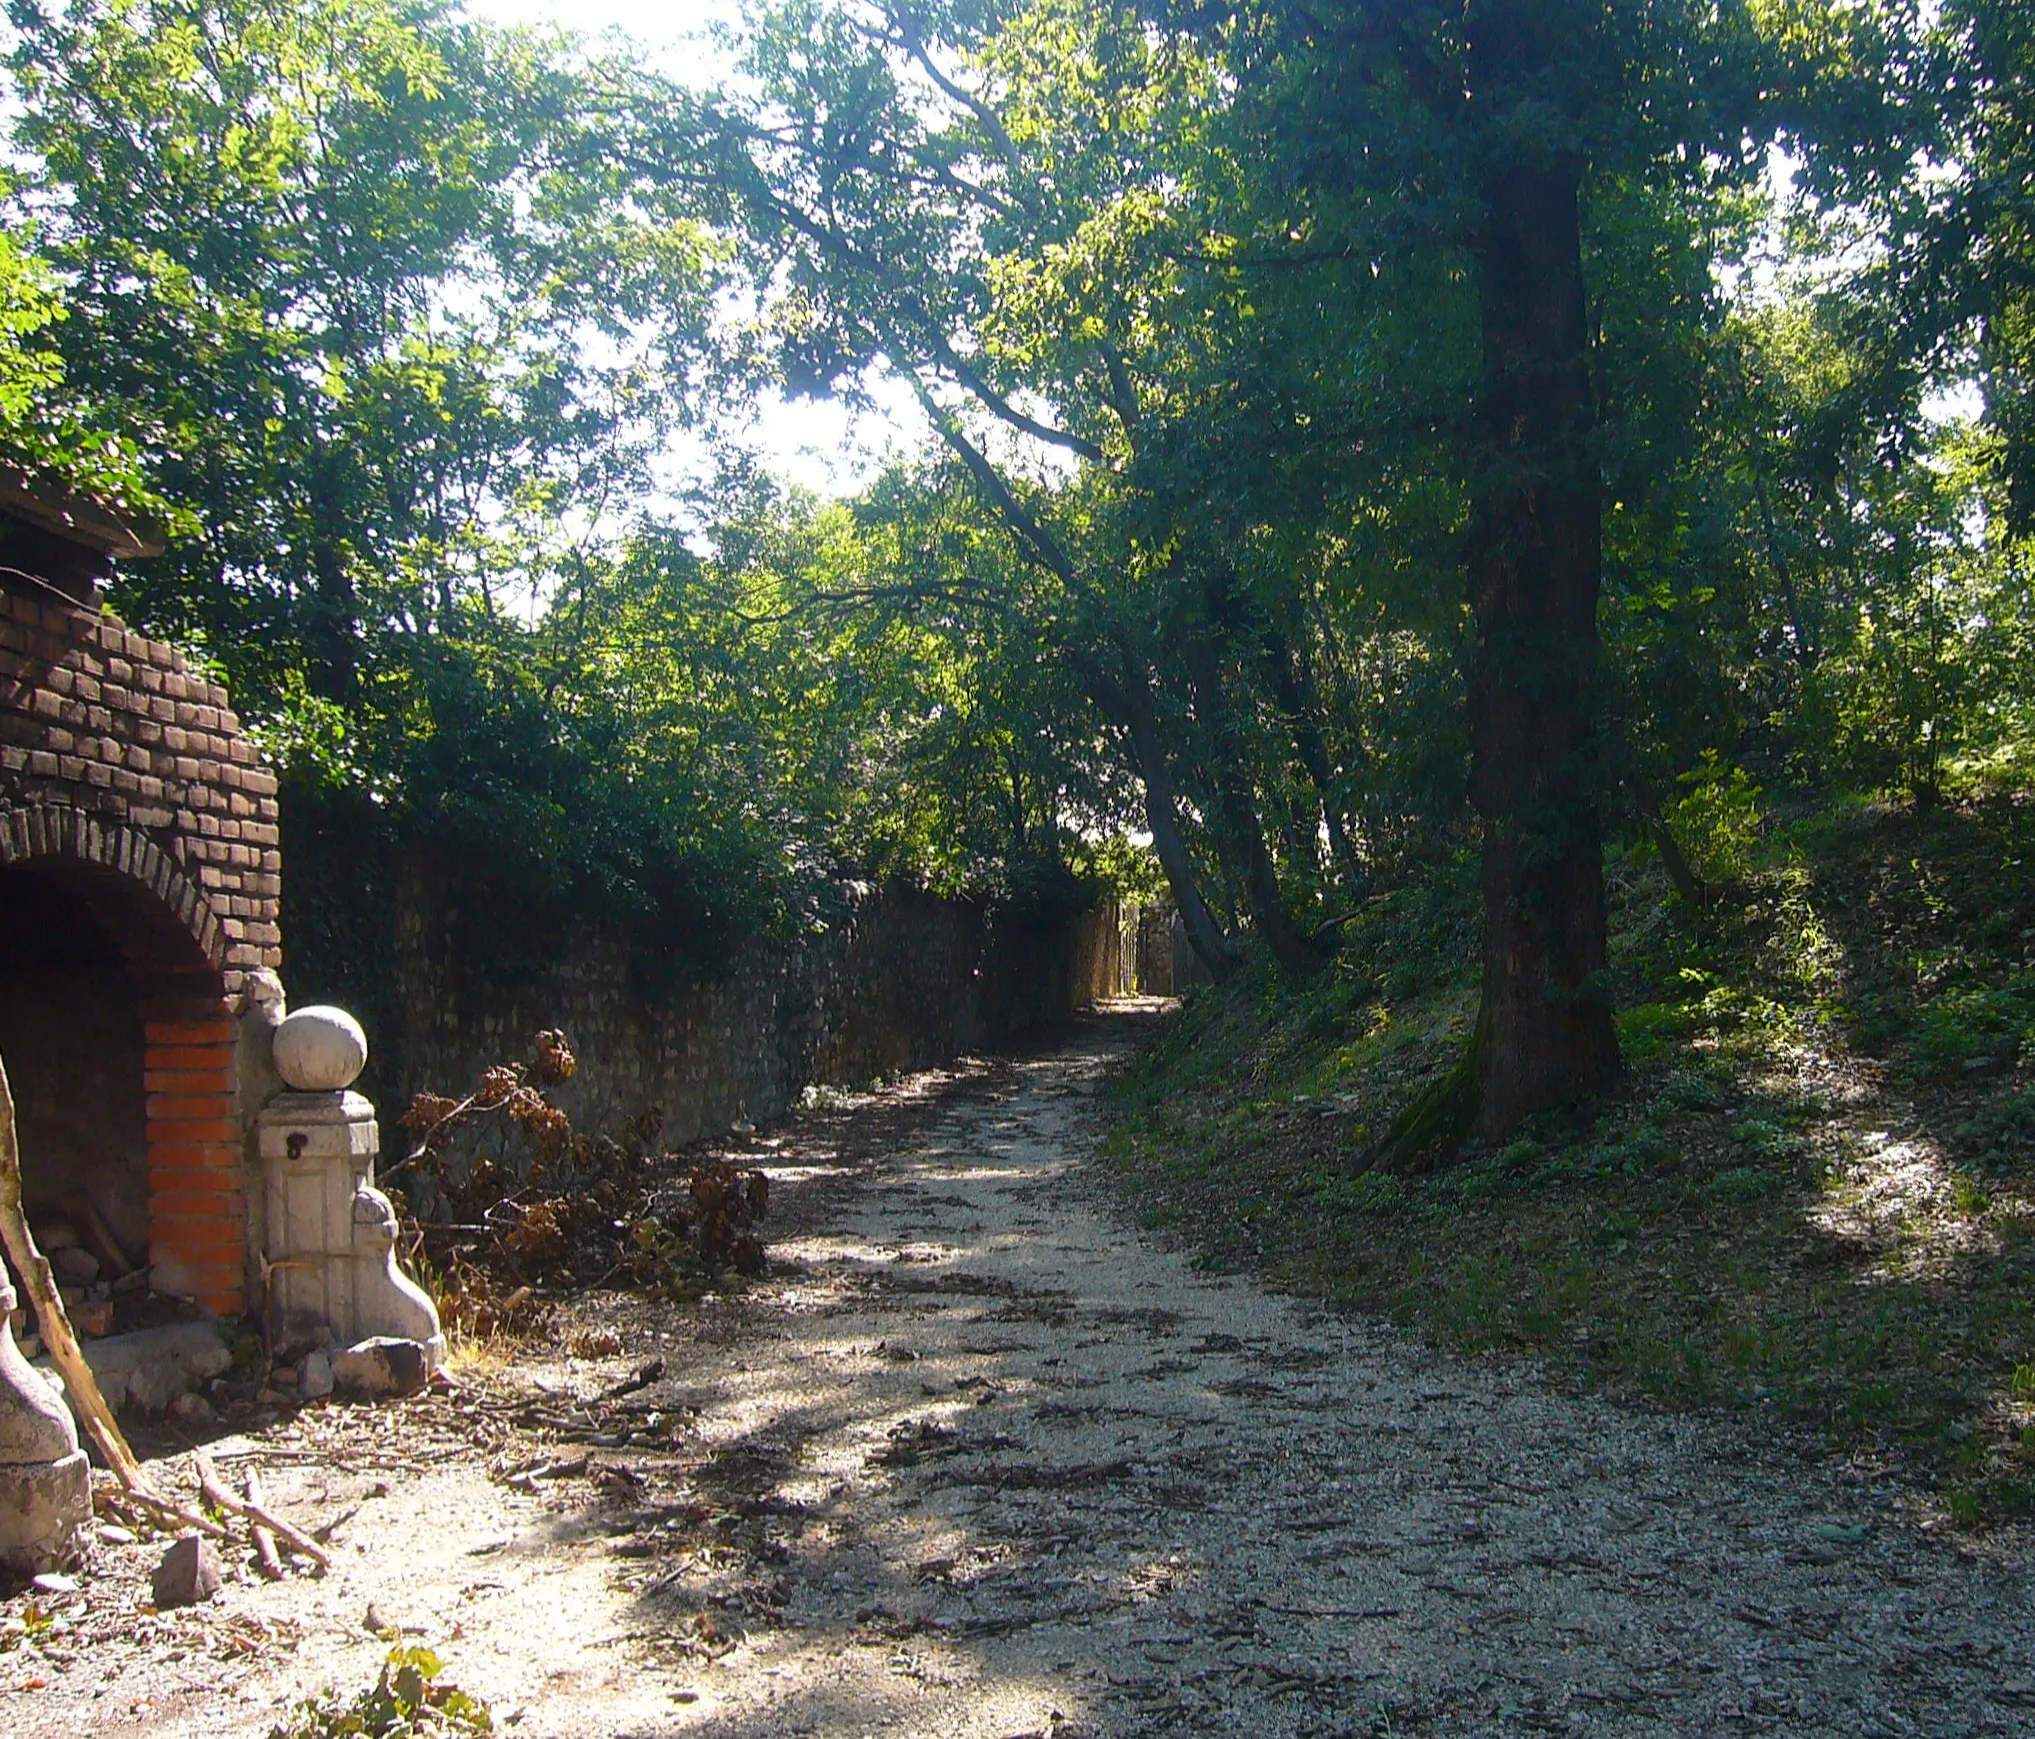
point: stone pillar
(331, 1235)
(45, 1481)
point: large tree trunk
(1162, 816)
(1292, 686)
(1545, 1034)
(1238, 803)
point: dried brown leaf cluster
(510, 1198)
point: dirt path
(988, 1463)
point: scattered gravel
(982, 1461)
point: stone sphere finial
(320, 1050)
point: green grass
(1813, 1200)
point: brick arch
(102, 726)
(52, 833)
(176, 950)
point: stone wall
(898, 979)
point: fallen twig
(324, 1531)
(653, 1372)
(112, 1498)
(264, 1541)
(220, 1498)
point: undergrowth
(406, 1702)
(1812, 1200)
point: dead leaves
(727, 1205)
(510, 1197)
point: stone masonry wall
(901, 980)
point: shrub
(406, 1702)
(1717, 818)
(1972, 1021)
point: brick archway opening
(121, 1048)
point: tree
(352, 275)
(44, 430)
(1479, 137)
(917, 225)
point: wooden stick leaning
(250, 1511)
(41, 1287)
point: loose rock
(383, 1366)
(192, 1411)
(149, 1369)
(314, 1376)
(188, 1574)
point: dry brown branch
(252, 1512)
(123, 1504)
(264, 1541)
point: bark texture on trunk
(1545, 1030)
(1162, 816)
(1238, 802)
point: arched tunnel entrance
(121, 1055)
(71, 1037)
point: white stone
(383, 1366)
(302, 1132)
(320, 1050)
(45, 1509)
(45, 1480)
(149, 1369)
(331, 1235)
(191, 1411)
(314, 1379)
(35, 1425)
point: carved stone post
(331, 1234)
(45, 1480)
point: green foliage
(401, 319)
(1129, 870)
(405, 1702)
(1968, 1022)
(2002, 1131)
(1699, 1240)
(1651, 1031)
(328, 264)
(1370, 1192)
(1717, 818)
(44, 430)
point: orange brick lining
(197, 1213)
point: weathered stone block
(382, 1368)
(188, 1573)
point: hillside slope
(1814, 1197)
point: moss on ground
(1813, 1200)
